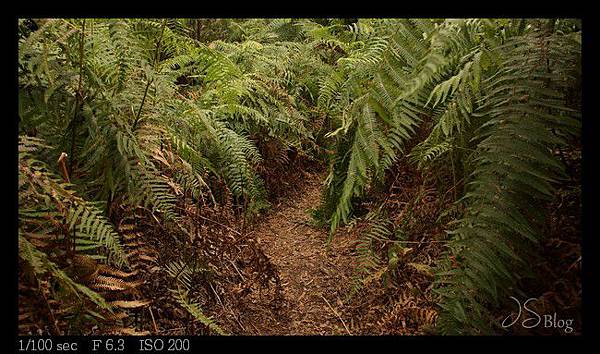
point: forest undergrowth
(298, 176)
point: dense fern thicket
(177, 133)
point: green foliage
(373, 123)
(51, 209)
(141, 111)
(183, 274)
(370, 265)
(514, 172)
(41, 264)
(46, 201)
(497, 92)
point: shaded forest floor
(314, 278)
(317, 282)
(278, 277)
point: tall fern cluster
(524, 118)
(138, 112)
(364, 97)
(498, 94)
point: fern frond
(514, 173)
(195, 310)
(42, 264)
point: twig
(430, 241)
(237, 270)
(454, 186)
(338, 316)
(171, 329)
(218, 223)
(237, 320)
(153, 321)
(50, 313)
(218, 298)
(139, 112)
(574, 263)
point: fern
(195, 310)
(514, 173)
(497, 107)
(37, 183)
(370, 264)
(41, 264)
(374, 125)
(143, 112)
(183, 275)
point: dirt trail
(314, 280)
